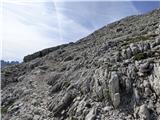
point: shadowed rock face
(44, 52)
(112, 74)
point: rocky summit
(112, 74)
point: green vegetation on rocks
(140, 56)
(137, 39)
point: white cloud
(29, 28)
(71, 30)
(20, 39)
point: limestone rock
(155, 78)
(116, 100)
(134, 48)
(114, 89)
(105, 76)
(144, 113)
(65, 102)
(91, 115)
(146, 67)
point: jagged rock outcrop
(43, 52)
(144, 113)
(155, 79)
(114, 89)
(112, 74)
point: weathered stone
(148, 91)
(128, 85)
(107, 108)
(155, 78)
(146, 84)
(129, 52)
(116, 100)
(56, 88)
(42, 53)
(52, 77)
(106, 68)
(114, 83)
(141, 47)
(68, 58)
(124, 54)
(144, 113)
(111, 43)
(157, 41)
(118, 56)
(153, 44)
(136, 95)
(65, 102)
(134, 48)
(146, 46)
(91, 115)
(131, 72)
(36, 117)
(146, 67)
(114, 89)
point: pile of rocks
(112, 74)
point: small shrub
(4, 110)
(136, 39)
(74, 118)
(114, 68)
(7, 73)
(66, 84)
(107, 94)
(143, 38)
(140, 56)
(68, 58)
(142, 77)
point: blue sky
(32, 25)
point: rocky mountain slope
(112, 74)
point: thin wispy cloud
(31, 27)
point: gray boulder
(129, 52)
(64, 103)
(136, 95)
(92, 114)
(116, 100)
(145, 67)
(154, 78)
(124, 54)
(134, 48)
(157, 41)
(144, 113)
(146, 46)
(114, 89)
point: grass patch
(4, 109)
(107, 94)
(137, 39)
(66, 84)
(74, 118)
(7, 73)
(140, 56)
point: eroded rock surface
(112, 74)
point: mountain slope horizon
(111, 74)
(48, 50)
